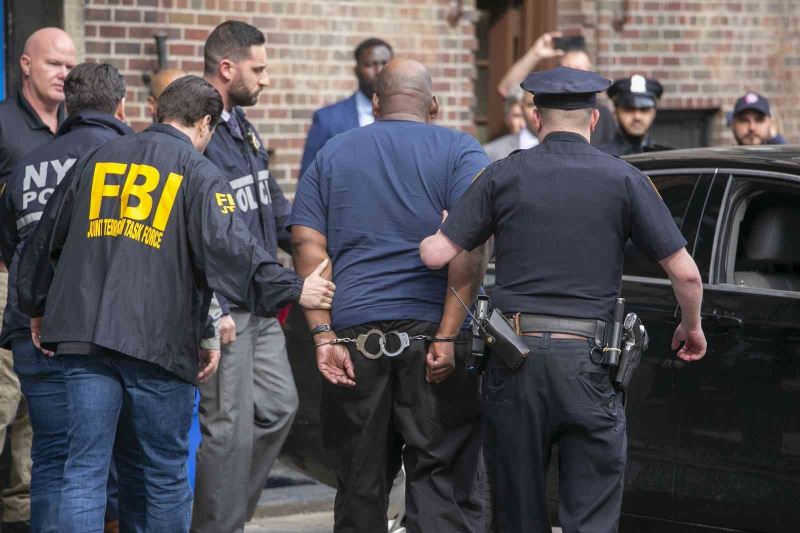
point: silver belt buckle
(361, 344)
(404, 342)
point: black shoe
(15, 527)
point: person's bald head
(404, 91)
(158, 83)
(577, 59)
(47, 58)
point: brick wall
(309, 45)
(706, 53)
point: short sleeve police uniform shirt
(561, 213)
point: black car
(714, 444)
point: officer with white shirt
(371, 56)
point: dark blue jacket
(134, 275)
(21, 130)
(28, 189)
(260, 201)
(328, 121)
(621, 144)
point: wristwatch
(322, 328)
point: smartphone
(574, 42)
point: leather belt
(554, 335)
(528, 324)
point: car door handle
(720, 321)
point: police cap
(565, 88)
(637, 92)
(752, 101)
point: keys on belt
(404, 339)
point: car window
(676, 191)
(764, 246)
(705, 226)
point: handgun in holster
(493, 335)
(627, 340)
(635, 342)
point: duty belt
(592, 329)
(404, 338)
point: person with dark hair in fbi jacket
(561, 214)
(142, 230)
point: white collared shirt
(527, 139)
(364, 109)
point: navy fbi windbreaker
(236, 148)
(141, 232)
(28, 189)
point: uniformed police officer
(635, 100)
(142, 229)
(95, 102)
(247, 408)
(561, 214)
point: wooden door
(506, 29)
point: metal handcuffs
(405, 342)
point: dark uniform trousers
(392, 412)
(559, 396)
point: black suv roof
(775, 158)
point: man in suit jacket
(371, 56)
(525, 138)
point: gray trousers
(246, 411)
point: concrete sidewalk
(289, 492)
(298, 523)
(295, 503)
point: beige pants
(14, 416)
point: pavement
(296, 523)
(289, 492)
(294, 503)
(300, 523)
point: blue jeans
(42, 382)
(150, 412)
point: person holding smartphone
(570, 51)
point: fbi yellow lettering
(141, 191)
(167, 200)
(225, 202)
(100, 188)
(136, 198)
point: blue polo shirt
(376, 192)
